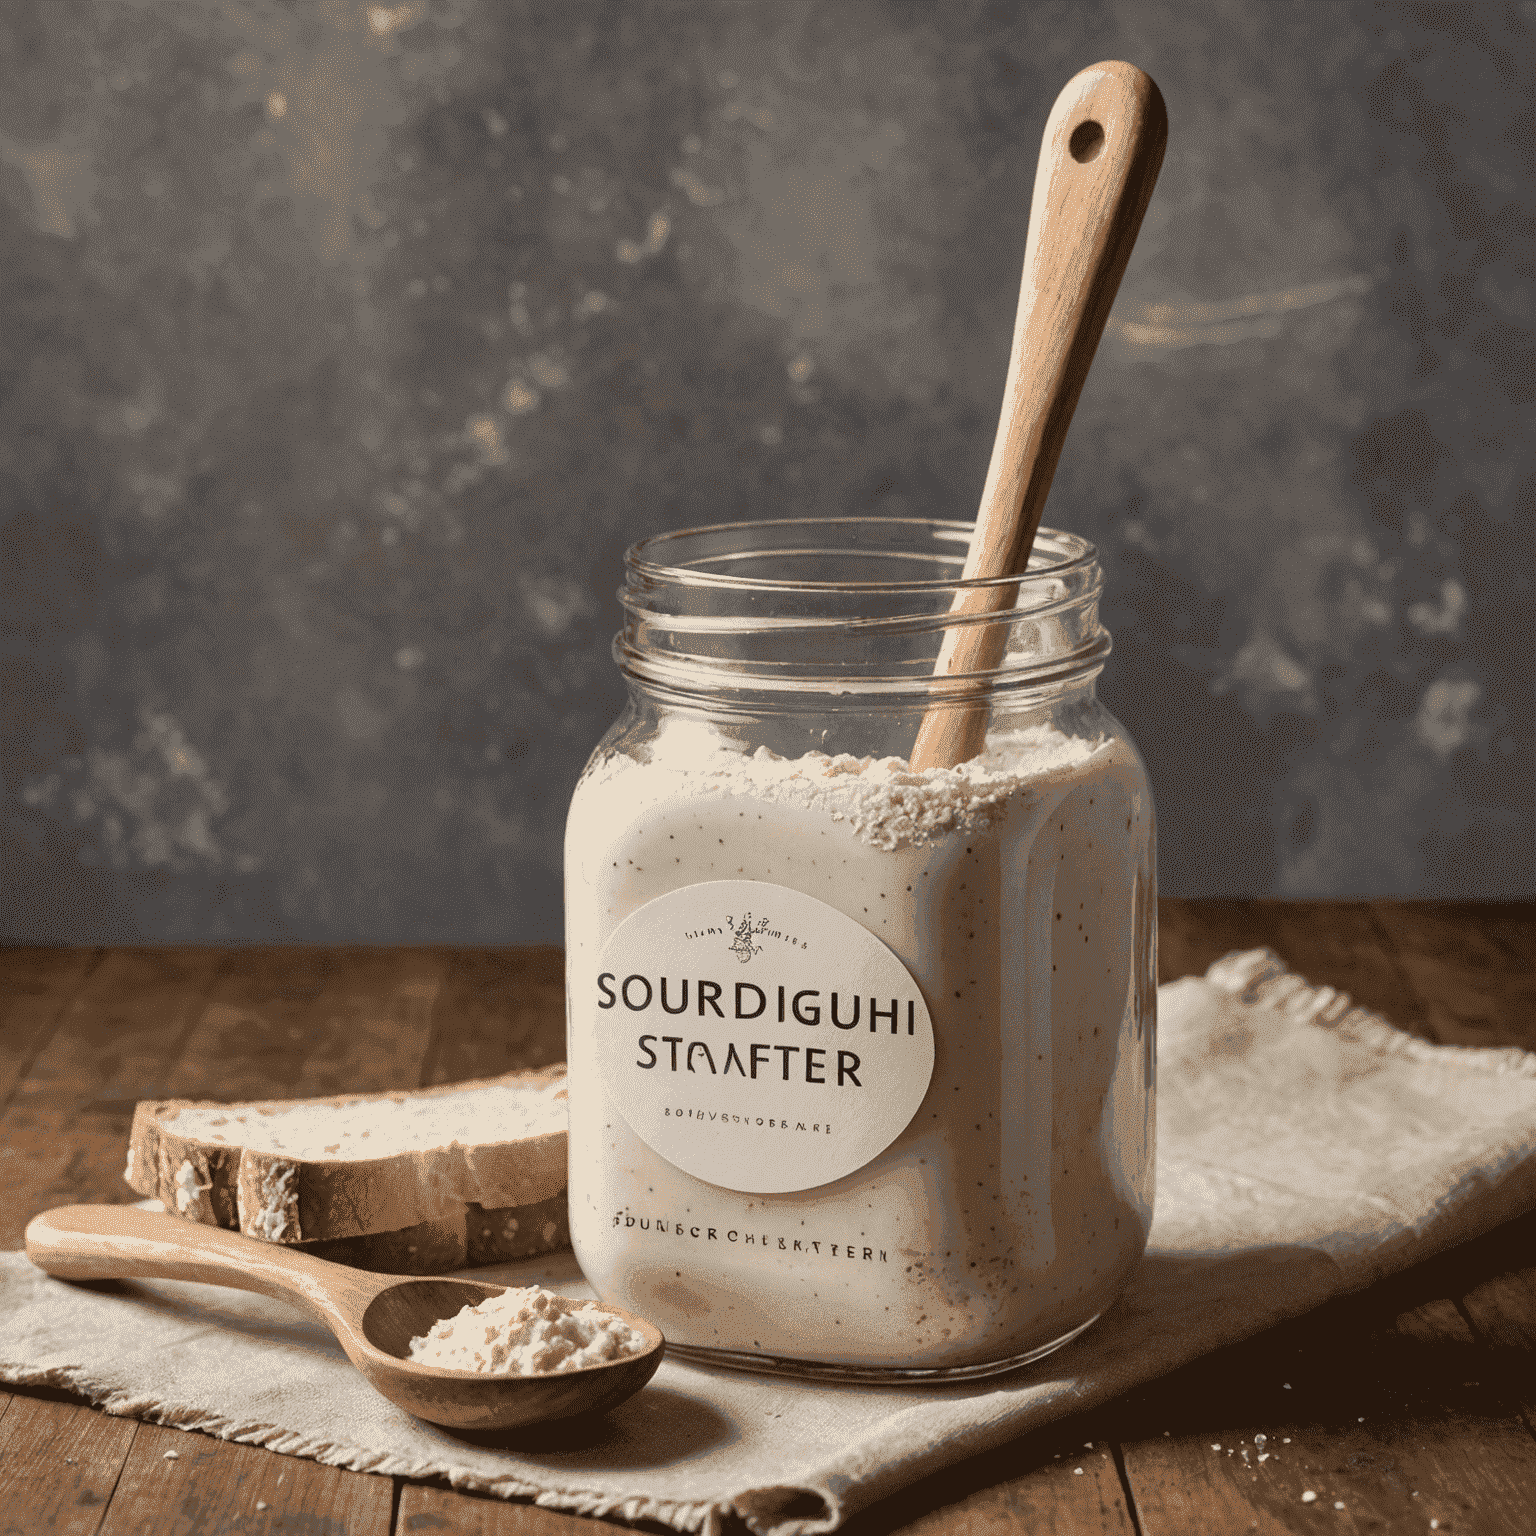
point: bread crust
(477, 1236)
(296, 1200)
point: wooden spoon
(1099, 160)
(374, 1317)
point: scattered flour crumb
(1308, 1497)
(262, 1504)
(170, 1456)
(188, 1188)
(527, 1331)
(1077, 1471)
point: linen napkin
(1305, 1148)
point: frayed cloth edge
(699, 1519)
(757, 1508)
(1261, 976)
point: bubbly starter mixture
(1017, 890)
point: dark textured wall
(346, 346)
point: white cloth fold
(1305, 1148)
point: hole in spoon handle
(1086, 141)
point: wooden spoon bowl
(374, 1317)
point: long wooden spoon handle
(1099, 160)
(119, 1242)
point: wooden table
(1411, 1403)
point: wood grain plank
(1505, 931)
(1337, 943)
(1452, 952)
(1191, 933)
(64, 1137)
(249, 1039)
(371, 1025)
(214, 1487)
(120, 1032)
(1061, 1479)
(500, 1011)
(59, 1463)
(447, 1512)
(36, 986)
(308, 1023)
(1503, 1314)
(1472, 964)
(1391, 1417)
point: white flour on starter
(1017, 891)
(527, 1331)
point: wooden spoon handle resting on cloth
(118, 1242)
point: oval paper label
(756, 1037)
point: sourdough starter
(1017, 892)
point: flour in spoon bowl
(527, 1331)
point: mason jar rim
(1074, 552)
(694, 629)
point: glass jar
(861, 1060)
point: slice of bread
(411, 1182)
